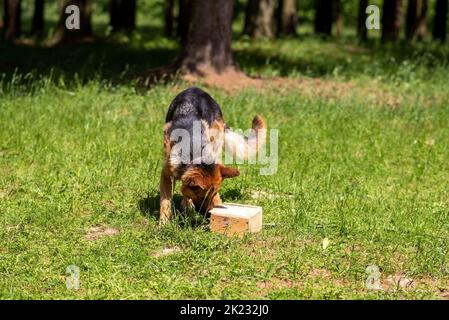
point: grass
(362, 162)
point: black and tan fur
(201, 182)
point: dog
(195, 114)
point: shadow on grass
(81, 62)
(122, 62)
(149, 207)
(348, 57)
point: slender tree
(84, 33)
(1, 18)
(37, 24)
(362, 31)
(259, 19)
(12, 19)
(391, 20)
(287, 17)
(323, 17)
(415, 22)
(169, 6)
(440, 20)
(122, 15)
(338, 17)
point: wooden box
(235, 219)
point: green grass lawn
(363, 163)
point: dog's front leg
(166, 186)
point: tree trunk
(362, 31)
(1, 19)
(259, 19)
(84, 33)
(37, 25)
(169, 6)
(338, 17)
(440, 20)
(206, 52)
(208, 44)
(323, 17)
(391, 20)
(287, 17)
(184, 17)
(122, 15)
(12, 19)
(415, 23)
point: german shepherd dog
(202, 177)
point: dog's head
(202, 185)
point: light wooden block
(235, 219)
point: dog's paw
(187, 204)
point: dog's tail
(246, 147)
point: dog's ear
(228, 172)
(193, 179)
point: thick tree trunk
(169, 6)
(440, 20)
(415, 23)
(362, 31)
(323, 17)
(37, 25)
(122, 15)
(184, 17)
(338, 17)
(206, 52)
(12, 19)
(287, 17)
(208, 44)
(84, 33)
(391, 20)
(259, 19)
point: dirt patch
(400, 282)
(230, 80)
(395, 282)
(7, 192)
(165, 252)
(233, 81)
(98, 232)
(276, 284)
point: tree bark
(169, 6)
(323, 17)
(1, 19)
(207, 49)
(287, 17)
(37, 25)
(184, 17)
(12, 19)
(391, 20)
(84, 33)
(362, 31)
(440, 20)
(259, 19)
(122, 15)
(415, 23)
(208, 44)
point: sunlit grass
(363, 151)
